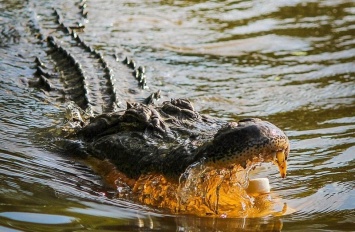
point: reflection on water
(290, 62)
(207, 191)
(37, 218)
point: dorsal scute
(181, 109)
(137, 112)
(144, 116)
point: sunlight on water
(290, 62)
(37, 218)
(208, 191)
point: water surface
(289, 62)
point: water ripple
(290, 62)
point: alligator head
(247, 140)
(169, 138)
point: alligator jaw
(249, 140)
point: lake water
(288, 62)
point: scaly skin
(167, 139)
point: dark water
(290, 62)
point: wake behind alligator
(165, 155)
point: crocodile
(145, 141)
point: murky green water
(290, 62)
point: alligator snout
(246, 141)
